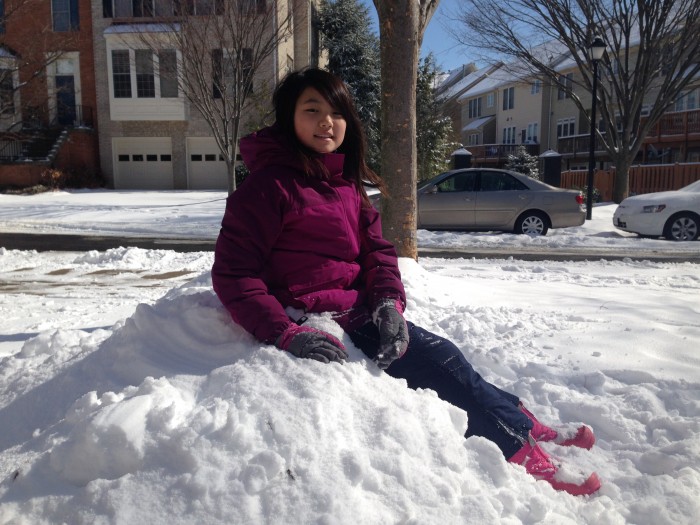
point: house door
(65, 100)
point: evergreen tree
(523, 162)
(353, 54)
(433, 131)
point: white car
(672, 214)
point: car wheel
(532, 223)
(682, 227)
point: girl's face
(318, 125)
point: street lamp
(597, 49)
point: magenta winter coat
(291, 240)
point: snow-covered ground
(128, 396)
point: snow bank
(176, 415)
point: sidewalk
(79, 243)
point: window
(473, 139)
(536, 87)
(65, 15)
(203, 7)
(566, 127)
(252, 6)
(227, 70)
(531, 136)
(7, 92)
(462, 181)
(121, 73)
(509, 135)
(167, 71)
(566, 83)
(145, 77)
(123, 8)
(509, 98)
(475, 108)
(490, 100)
(144, 8)
(687, 100)
(145, 66)
(2, 16)
(497, 181)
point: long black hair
(336, 93)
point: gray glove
(393, 332)
(304, 341)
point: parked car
(671, 214)
(481, 199)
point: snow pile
(177, 416)
(231, 432)
(128, 396)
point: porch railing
(499, 152)
(674, 126)
(34, 141)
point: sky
(448, 53)
(128, 395)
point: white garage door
(206, 169)
(143, 163)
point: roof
(119, 29)
(478, 123)
(468, 81)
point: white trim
(52, 70)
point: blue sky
(448, 53)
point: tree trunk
(621, 184)
(399, 46)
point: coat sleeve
(378, 260)
(251, 224)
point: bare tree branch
(221, 58)
(653, 54)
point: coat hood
(269, 147)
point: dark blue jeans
(436, 363)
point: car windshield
(693, 188)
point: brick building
(47, 89)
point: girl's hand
(304, 341)
(393, 332)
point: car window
(499, 181)
(462, 181)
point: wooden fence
(643, 179)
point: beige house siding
(526, 110)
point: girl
(300, 235)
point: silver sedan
(481, 199)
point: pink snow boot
(581, 437)
(540, 466)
